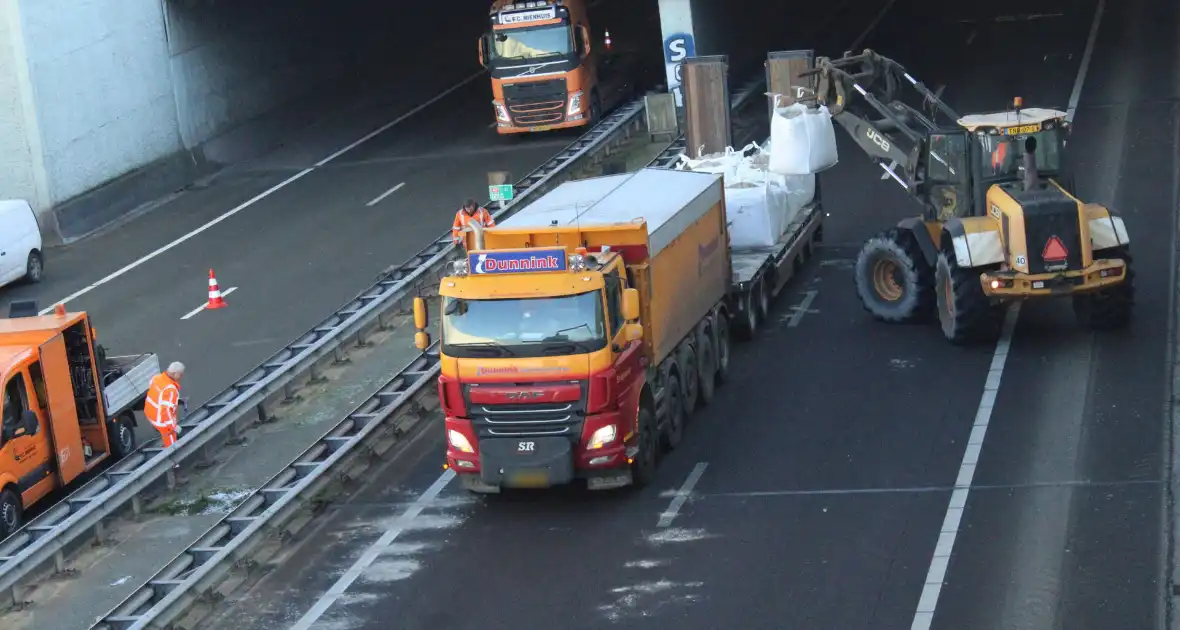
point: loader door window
(947, 153)
(614, 301)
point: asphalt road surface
(822, 475)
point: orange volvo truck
(580, 333)
(66, 407)
(547, 72)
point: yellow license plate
(530, 479)
(1015, 131)
(541, 128)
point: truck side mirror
(483, 50)
(633, 332)
(421, 338)
(584, 36)
(630, 304)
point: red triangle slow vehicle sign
(1054, 250)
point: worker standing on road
(470, 211)
(163, 397)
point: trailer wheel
(723, 348)
(1110, 308)
(707, 365)
(747, 326)
(674, 413)
(690, 368)
(643, 468)
(121, 433)
(966, 315)
(893, 280)
(11, 512)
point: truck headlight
(602, 437)
(459, 441)
(575, 104)
(501, 112)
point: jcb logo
(995, 210)
(526, 447)
(877, 139)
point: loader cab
(998, 144)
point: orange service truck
(547, 72)
(66, 407)
(580, 333)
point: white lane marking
(932, 588)
(669, 514)
(376, 200)
(200, 308)
(253, 200)
(802, 309)
(1076, 94)
(928, 602)
(372, 553)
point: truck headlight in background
(575, 104)
(602, 437)
(501, 112)
(459, 441)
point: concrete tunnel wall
(109, 104)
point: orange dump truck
(579, 333)
(66, 407)
(547, 72)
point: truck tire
(11, 512)
(674, 411)
(690, 368)
(723, 348)
(965, 314)
(121, 433)
(643, 468)
(1111, 308)
(893, 280)
(34, 267)
(706, 365)
(747, 326)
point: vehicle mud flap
(527, 462)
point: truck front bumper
(1013, 284)
(536, 462)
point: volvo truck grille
(536, 103)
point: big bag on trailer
(802, 140)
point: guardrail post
(290, 394)
(339, 357)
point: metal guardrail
(195, 572)
(48, 537)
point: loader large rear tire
(965, 314)
(893, 280)
(1109, 309)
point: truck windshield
(532, 327)
(1001, 157)
(527, 44)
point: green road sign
(503, 192)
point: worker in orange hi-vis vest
(470, 211)
(163, 398)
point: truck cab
(544, 68)
(65, 408)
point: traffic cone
(215, 299)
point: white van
(20, 243)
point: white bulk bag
(802, 140)
(748, 213)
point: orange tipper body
(539, 380)
(543, 66)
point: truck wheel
(643, 469)
(674, 410)
(722, 348)
(893, 280)
(747, 327)
(595, 109)
(1110, 308)
(11, 512)
(964, 312)
(690, 368)
(121, 433)
(706, 366)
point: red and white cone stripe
(215, 299)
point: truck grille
(515, 420)
(1048, 213)
(537, 102)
